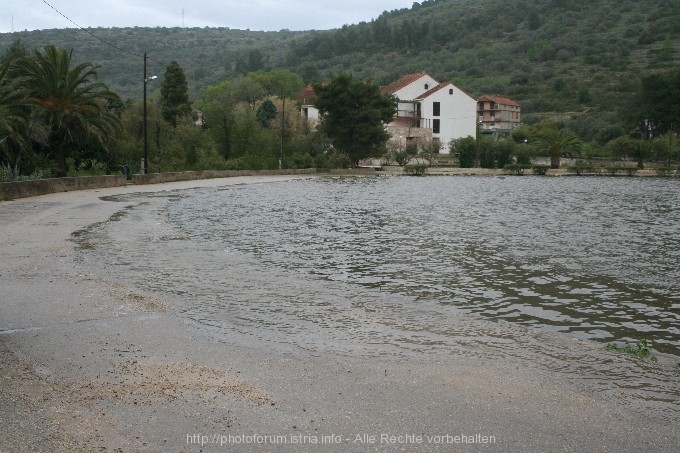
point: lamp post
(283, 123)
(145, 170)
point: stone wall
(155, 178)
(23, 189)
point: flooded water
(594, 258)
(422, 267)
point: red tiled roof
(401, 83)
(439, 87)
(308, 95)
(498, 99)
(431, 91)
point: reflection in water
(409, 267)
(595, 258)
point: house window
(450, 90)
(427, 86)
(435, 126)
(436, 109)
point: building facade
(498, 116)
(430, 111)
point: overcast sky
(274, 15)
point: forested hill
(553, 56)
(207, 55)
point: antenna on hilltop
(12, 23)
(182, 17)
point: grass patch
(639, 349)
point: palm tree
(556, 141)
(68, 100)
(15, 124)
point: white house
(431, 110)
(427, 111)
(308, 110)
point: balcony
(405, 113)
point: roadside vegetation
(597, 82)
(58, 120)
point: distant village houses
(498, 116)
(433, 112)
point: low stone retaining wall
(155, 178)
(23, 189)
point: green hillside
(207, 55)
(576, 60)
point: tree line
(57, 119)
(554, 141)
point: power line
(97, 37)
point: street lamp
(283, 117)
(145, 168)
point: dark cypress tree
(174, 94)
(354, 116)
(266, 112)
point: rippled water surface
(516, 270)
(591, 257)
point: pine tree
(354, 116)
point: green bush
(299, 160)
(415, 169)
(665, 171)
(332, 159)
(466, 150)
(516, 169)
(487, 154)
(6, 174)
(85, 167)
(581, 168)
(616, 169)
(540, 169)
(9, 175)
(250, 162)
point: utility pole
(283, 123)
(146, 140)
(145, 170)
